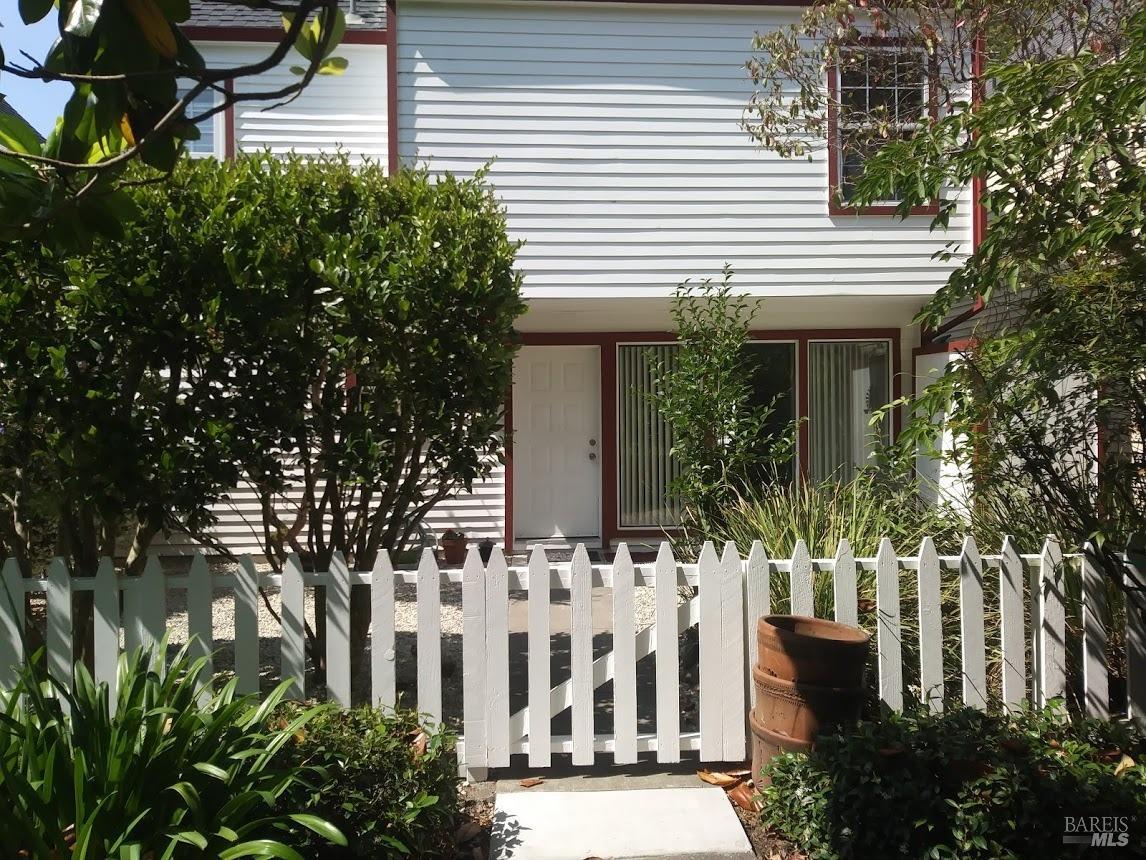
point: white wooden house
(615, 135)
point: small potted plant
(454, 546)
(485, 550)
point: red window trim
(835, 207)
(608, 341)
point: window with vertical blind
(644, 439)
(848, 382)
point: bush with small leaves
(963, 784)
(391, 784)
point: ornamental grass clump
(176, 770)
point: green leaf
(82, 17)
(18, 136)
(32, 11)
(260, 848)
(333, 66)
(320, 826)
(212, 770)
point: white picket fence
(730, 594)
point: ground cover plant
(962, 784)
(389, 784)
(178, 770)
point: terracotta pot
(803, 711)
(454, 550)
(766, 744)
(812, 650)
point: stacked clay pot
(809, 679)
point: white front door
(557, 442)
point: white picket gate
(730, 593)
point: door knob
(592, 455)
(592, 442)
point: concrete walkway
(616, 818)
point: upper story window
(209, 136)
(879, 93)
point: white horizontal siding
(479, 514)
(346, 112)
(617, 149)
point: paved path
(620, 818)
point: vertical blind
(849, 382)
(645, 468)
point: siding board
(616, 145)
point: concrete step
(693, 823)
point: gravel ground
(406, 626)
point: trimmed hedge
(963, 784)
(391, 787)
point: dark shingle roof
(232, 13)
(8, 110)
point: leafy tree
(262, 316)
(724, 442)
(125, 61)
(961, 43)
(137, 379)
(1055, 136)
(408, 354)
(1060, 143)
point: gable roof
(232, 13)
(7, 110)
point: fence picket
(731, 596)
(732, 663)
(803, 601)
(581, 654)
(429, 595)
(105, 628)
(930, 628)
(383, 682)
(668, 668)
(624, 660)
(1053, 631)
(845, 594)
(292, 647)
(247, 626)
(11, 623)
(540, 722)
(474, 687)
(1013, 638)
(973, 643)
(1095, 679)
(888, 626)
(200, 625)
(497, 658)
(59, 638)
(708, 633)
(338, 632)
(1136, 631)
(757, 604)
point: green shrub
(391, 786)
(177, 771)
(964, 784)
